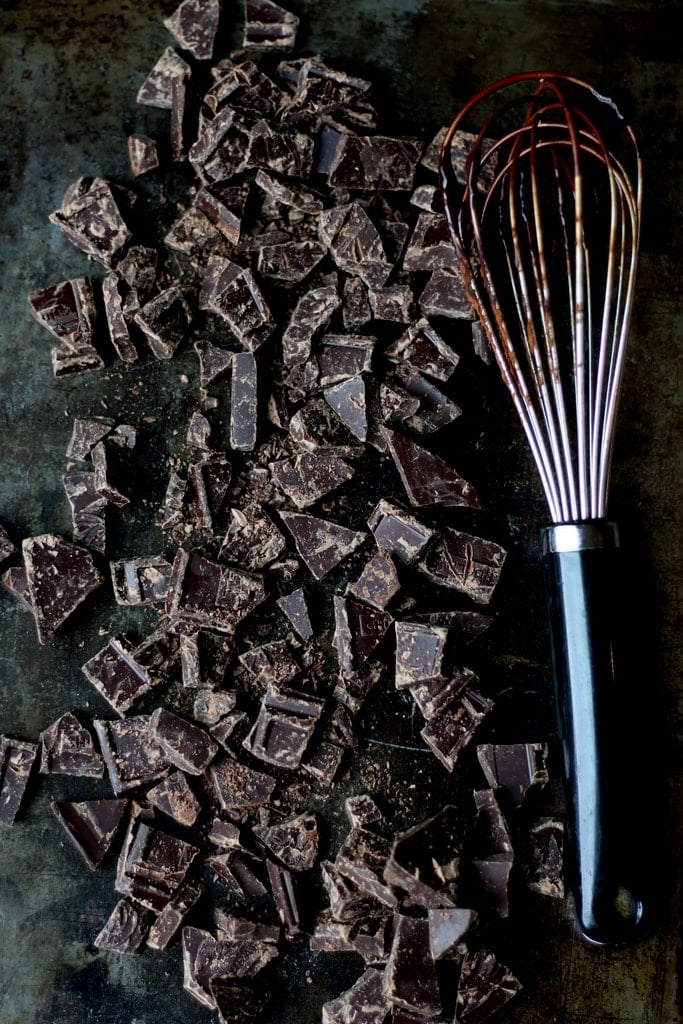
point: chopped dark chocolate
(165, 320)
(208, 961)
(341, 356)
(133, 758)
(185, 745)
(448, 733)
(67, 748)
(17, 758)
(378, 583)
(238, 1002)
(321, 543)
(480, 344)
(168, 922)
(393, 303)
(117, 674)
(428, 480)
(466, 563)
(88, 510)
(140, 581)
(436, 409)
(252, 540)
(311, 313)
(447, 927)
(355, 244)
(15, 580)
(117, 323)
(208, 482)
(111, 465)
(284, 894)
(446, 295)
(194, 24)
(373, 162)
(69, 312)
(419, 652)
(289, 262)
(349, 902)
(546, 869)
(125, 929)
(91, 218)
(424, 862)
(316, 426)
(155, 91)
(363, 1003)
(224, 206)
(210, 706)
(204, 658)
(142, 153)
(239, 788)
(430, 245)
(243, 402)
(60, 576)
(307, 477)
(359, 629)
(231, 291)
(91, 825)
(425, 350)
(194, 234)
(7, 548)
(267, 26)
(485, 986)
(356, 311)
(283, 729)
(294, 607)
(209, 594)
(212, 361)
(272, 662)
(514, 767)
(236, 874)
(139, 269)
(410, 978)
(323, 760)
(152, 865)
(174, 797)
(348, 401)
(492, 855)
(294, 196)
(362, 858)
(361, 810)
(433, 696)
(294, 842)
(398, 532)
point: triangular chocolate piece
(174, 797)
(294, 842)
(447, 925)
(68, 749)
(194, 24)
(321, 544)
(91, 825)
(378, 582)
(428, 480)
(294, 607)
(348, 401)
(308, 476)
(60, 576)
(358, 631)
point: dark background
(69, 74)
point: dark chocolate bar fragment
(239, 788)
(424, 861)
(307, 477)
(208, 961)
(514, 767)
(419, 652)
(140, 581)
(142, 154)
(446, 295)
(362, 858)
(447, 928)
(311, 313)
(492, 855)
(295, 608)
(252, 540)
(165, 320)
(152, 865)
(60, 576)
(268, 26)
(321, 544)
(466, 563)
(272, 662)
(209, 594)
(86, 433)
(378, 583)
(284, 894)
(213, 361)
(118, 675)
(363, 1003)
(347, 398)
(398, 532)
(448, 733)
(133, 758)
(485, 986)
(185, 745)
(425, 350)
(67, 748)
(289, 262)
(194, 25)
(243, 402)
(359, 629)
(373, 162)
(232, 292)
(428, 480)
(410, 979)
(155, 91)
(125, 929)
(294, 841)
(355, 244)
(17, 758)
(174, 797)
(91, 218)
(88, 510)
(284, 727)
(171, 918)
(91, 825)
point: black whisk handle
(598, 723)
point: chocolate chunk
(267, 26)
(289, 262)
(428, 480)
(284, 726)
(419, 652)
(294, 842)
(231, 291)
(514, 767)
(363, 1003)
(430, 246)
(16, 761)
(353, 691)
(446, 295)
(294, 607)
(140, 581)
(452, 730)
(355, 244)
(183, 744)
(321, 544)
(424, 861)
(341, 356)
(155, 91)
(208, 961)
(425, 350)
(362, 858)
(69, 312)
(91, 218)
(152, 865)
(398, 533)
(356, 311)
(224, 207)
(393, 303)
(252, 540)
(194, 25)
(209, 594)
(447, 926)
(323, 760)
(139, 268)
(117, 324)
(194, 234)
(359, 629)
(7, 548)
(170, 919)
(271, 663)
(546, 869)
(373, 162)
(349, 902)
(436, 410)
(315, 426)
(361, 810)
(208, 482)
(212, 361)
(67, 748)
(88, 510)
(133, 758)
(165, 320)
(91, 825)
(294, 196)
(211, 706)
(378, 583)
(174, 797)
(124, 930)
(348, 401)
(239, 788)
(284, 894)
(60, 576)
(311, 313)
(15, 580)
(484, 987)
(410, 978)
(427, 197)
(433, 696)
(142, 154)
(466, 563)
(243, 402)
(204, 658)
(492, 855)
(111, 464)
(307, 477)
(117, 674)
(235, 873)
(286, 152)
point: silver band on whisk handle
(546, 223)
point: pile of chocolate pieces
(308, 270)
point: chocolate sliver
(433, 696)
(17, 758)
(92, 220)
(15, 580)
(67, 748)
(289, 262)
(140, 581)
(446, 295)
(284, 893)
(60, 576)
(295, 608)
(125, 929)
(425, 860)
(91, 825)
(466, 563)
(448, 733)
(447, 927)
(485, 986)
(321, 544)
(362, 858)
(194, 25)
(88, 510)
(425, 350)
(348, 401)
(165, 321)
(428, 480)
(359, 629)
(410, 979)
(232, 292)
(311, 314)
(355, 244)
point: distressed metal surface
(68, 77)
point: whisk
(546, 225)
